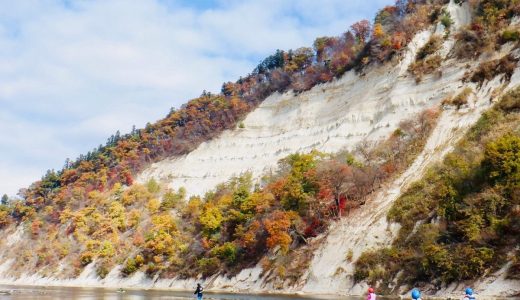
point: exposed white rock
(329, 117)
(15, 237)
(460, 14)
(368, 228)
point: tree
(338, 178)
(361, 30)
(502, 158)
(5, 199)
(378, 31)
(277, 227)
(211, 218)
(271, 62)
(401, 7)
(321, 44)
(299, 59)
(4, 218)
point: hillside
(386, 156)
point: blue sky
(74, 72)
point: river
(70, 293)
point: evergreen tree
(4, 200)
(401, 7)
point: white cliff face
(460, 14)
(368, 229)
(328, 118)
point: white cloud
(74, 72)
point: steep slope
(329, 117)
(146, 236)
(369, 230)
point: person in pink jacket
(371, 295)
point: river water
(69, 293)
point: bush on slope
(461, 220)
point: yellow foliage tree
(4, 218)
(192, 209)
(211, 218)
(107, 249)
(164, 222)
(257, 202)
(153, 205)
(136, 194)
(378, 31)
(134, 218)
(116, 212)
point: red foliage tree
(361, 30)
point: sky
(72, 73)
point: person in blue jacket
(416, 294)
(199, 291)
(469, 294)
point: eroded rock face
(330, 117)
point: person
(199, 291)
(416, 294)
(371, 294)
(469, 294)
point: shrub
(107, 249)
(151, 269)
(514, 270)
(134, 218)
(433, 45)
(116, 212)
(153, 205)
(226, 252)
(424, 67)
(172, 199)
(129, 267)
(277, 226)
(446, 20)
(4, 218)
(503, 159)
(86, 258)
(132, 265)
(510, 102)
(208, 266)
(472, 42)
(510, 36)
(103, 269)
(460, 100)
(135, 194)
(152, 186)
(350, 255)
(211, 218)
(369, 265)
(486, 121)
(486, 71)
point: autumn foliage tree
(95, 203)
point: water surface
(52, 293)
